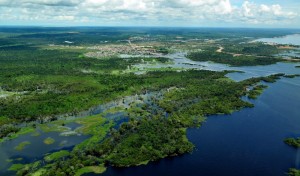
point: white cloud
(145, 11)
(247, 9)
(264, 8)
(94, 3)
(224, 7)
(64, 18)
(264, 14)
(277, 9)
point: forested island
(293, 142)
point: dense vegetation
(230, 59)
(47, 82)
(260, 50)
(256, 91)
(135, 143)
(253, 48)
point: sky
(179, 13)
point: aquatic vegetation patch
(9, 160)
(56, 155)
(91, 169)
(52, 127)
(16, 167)
(36, 133)
(114, 110)
(63, 143)
(97, 126)
(49, 141)
(14, 160)
(18, 159)
(69, 133)
(22, 145)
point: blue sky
(185, 13)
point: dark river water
(248, 142)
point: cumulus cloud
(255, 13)
(264, 8)
(161, 12)
(64, 17)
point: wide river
(288, 39)
(248, 142)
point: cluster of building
(115, 50)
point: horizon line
(132, 26)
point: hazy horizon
(103, 26)
(151, 13)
